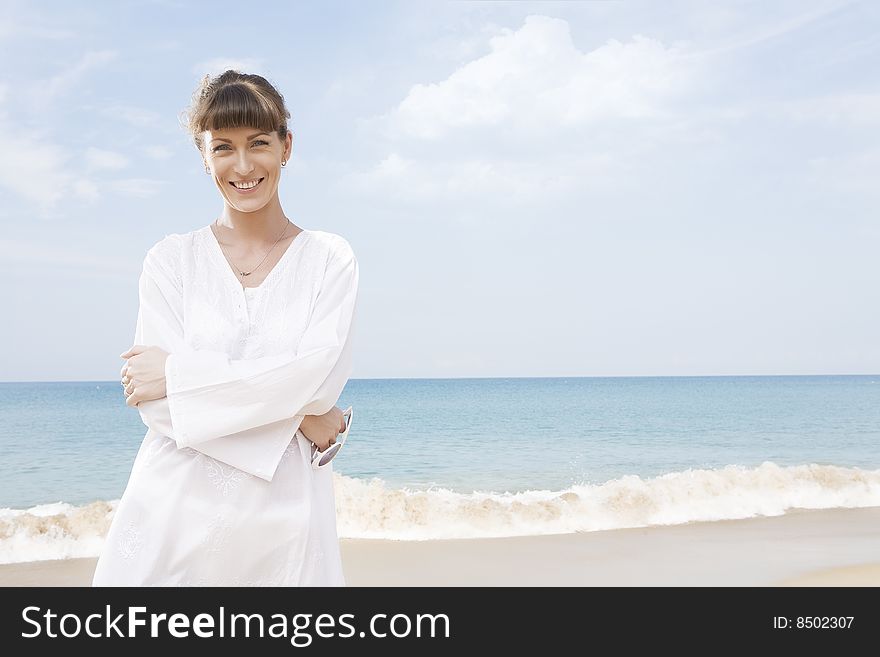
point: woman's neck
(260, 227)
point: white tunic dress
(222, 491)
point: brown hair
(235, 100)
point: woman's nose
(243, 164)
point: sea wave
(372, 509)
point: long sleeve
(159, 323)
(210, 395)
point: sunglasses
(320, 459)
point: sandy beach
(839, 547)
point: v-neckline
(293, 246)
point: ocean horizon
(478, 457)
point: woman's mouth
(247, 186)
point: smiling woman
(242, 349)
(240, 175)
(239, 125)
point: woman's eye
(258, 141)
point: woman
(242, 348)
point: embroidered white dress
(222, 491)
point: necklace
(243, 273)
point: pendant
(245, 274)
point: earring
(283, 162)
(207, 170)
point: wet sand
(838, 547)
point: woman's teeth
(247, 185)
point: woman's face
(238, 157)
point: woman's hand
(143, 374)
(323, 429)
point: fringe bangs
(238, 106)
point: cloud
(43, 92)
(845, 109)
(87, 190)
(846, 174)
(220, 64)
(536, 77)
(534, 118)
(509, 182)
(158, 152)
(856, 108)
(35, 169)
(768, 32)
(458, 47)
(37, 172)
(136, 116)
(61, 255)
(12, 29)
(97, 158)
(139, 187)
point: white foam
(370, 509)
(54, 531)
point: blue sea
(457, 458)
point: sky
(531, 188)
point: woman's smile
(247, 187)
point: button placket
(241, 304)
